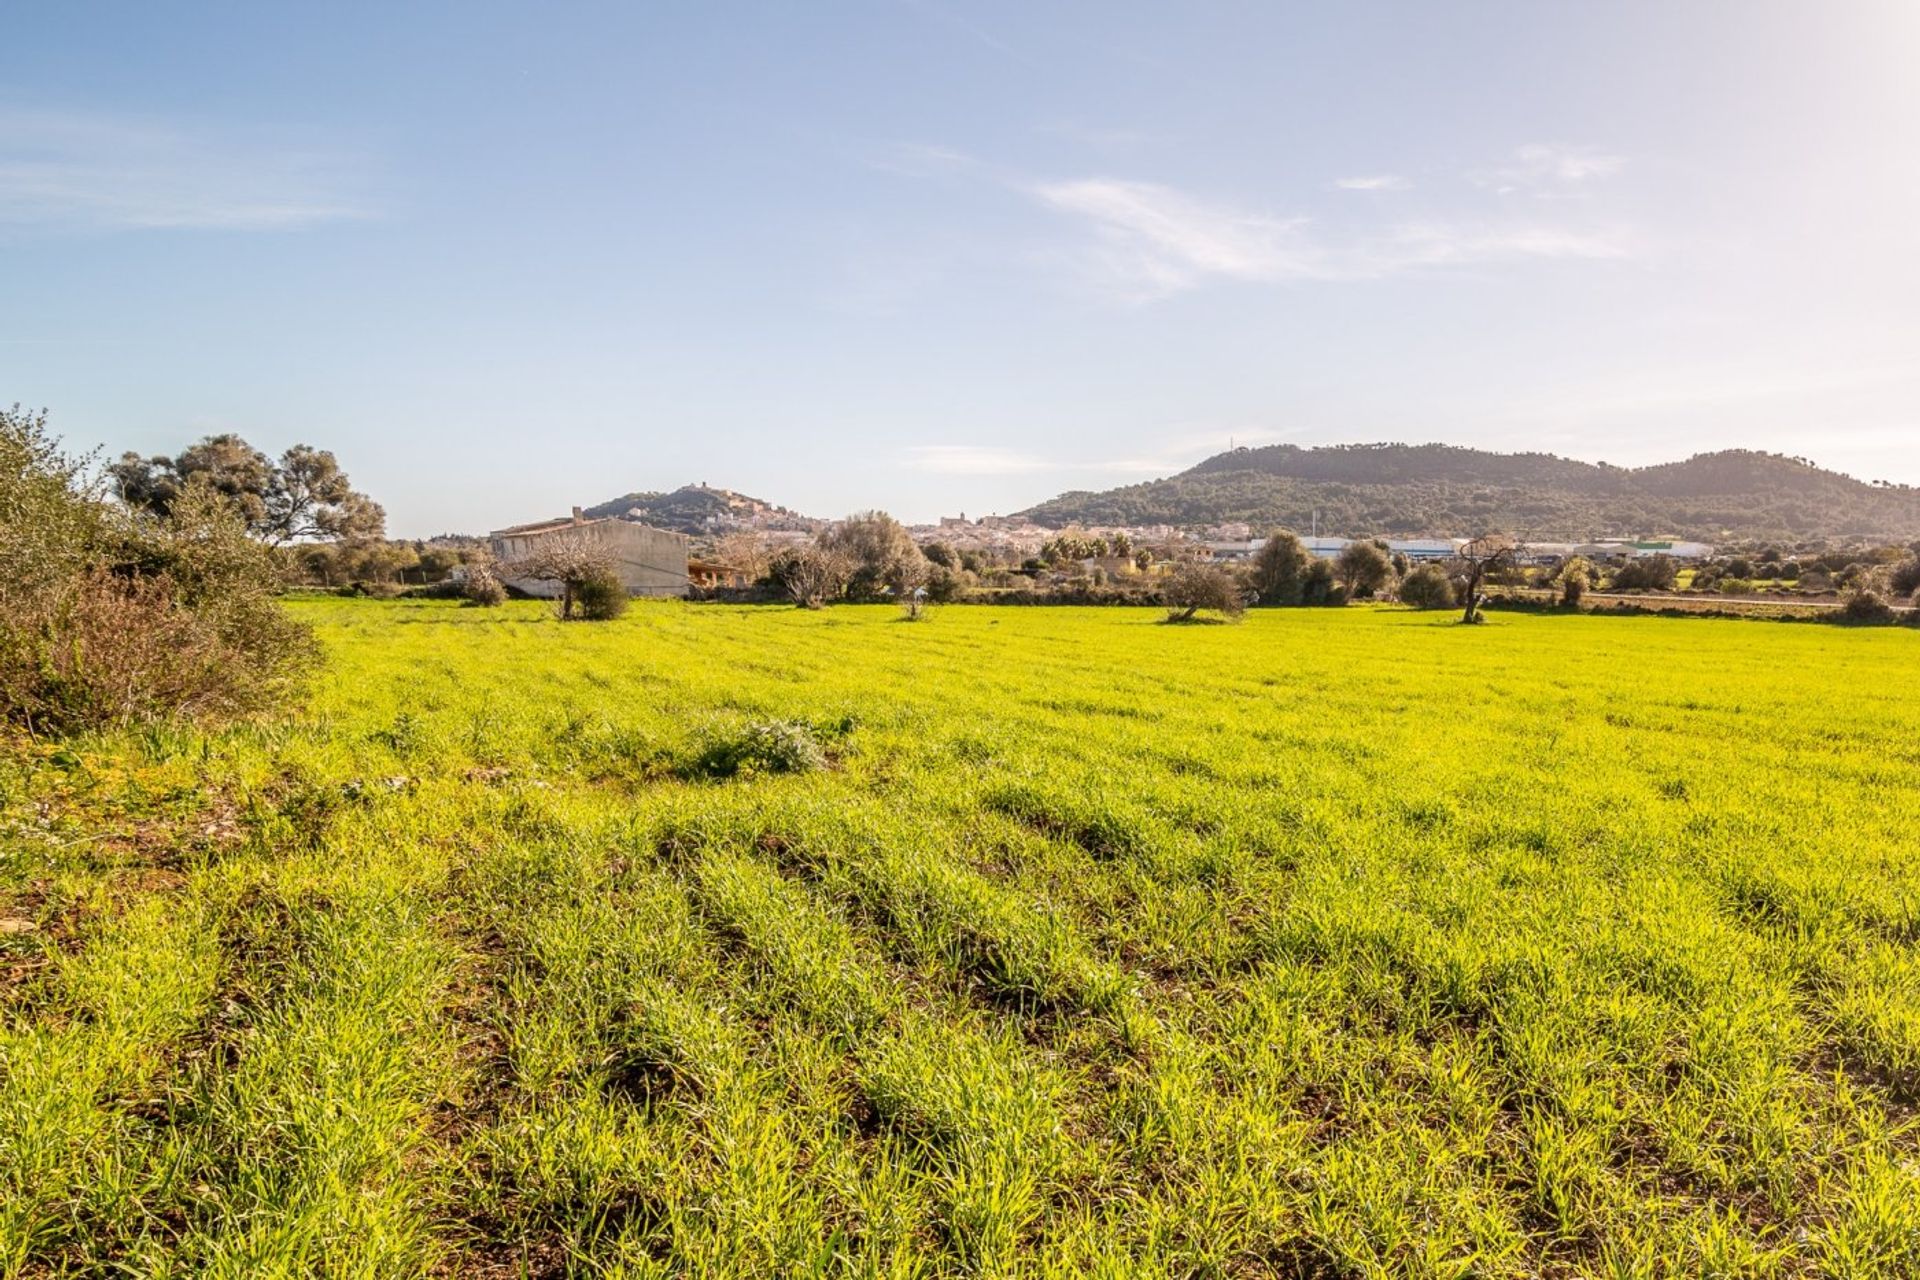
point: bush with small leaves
(1576, 575)
(483, 588)
(600, 595)
(1647, 573)
(764, 746)
(1318, 586)
(1865, 606)
(1427, 587)
(1904, 579)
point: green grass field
(1340, 942)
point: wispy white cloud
(1142, 241)
(1374, 182)
(1151, 240)
(62, 170)
(1444, 244)
(1550, 169)
(973, 460)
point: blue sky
(935, 256)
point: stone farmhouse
(650, 561)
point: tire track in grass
(310, 1119)
(579, 1149)
(86, 1088)
(997, 1192)
(981, 1121)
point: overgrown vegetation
(1338, 943)
(109, 616)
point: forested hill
(697, 509)
(1442, 489)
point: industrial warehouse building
(650, 561)
(1328, 548)
(1417, 549)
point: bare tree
(746, 552)
(1478, 558)
(812, 575)
(568, 558)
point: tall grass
(1336, 943)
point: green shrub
(1904, 578)
(764, 746)
(1866, 606)
(51, 519)
(1427, 587)
(1318, 586)
(1647, 573)
(600, 596)
(1576, 575)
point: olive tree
(879, 554)
(1201, 584)
(303, 496)
(1363, 568)
(1279, 574)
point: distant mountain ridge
(1447, 489)
(697, 509)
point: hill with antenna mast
(1403, 489)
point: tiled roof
(546, 526)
